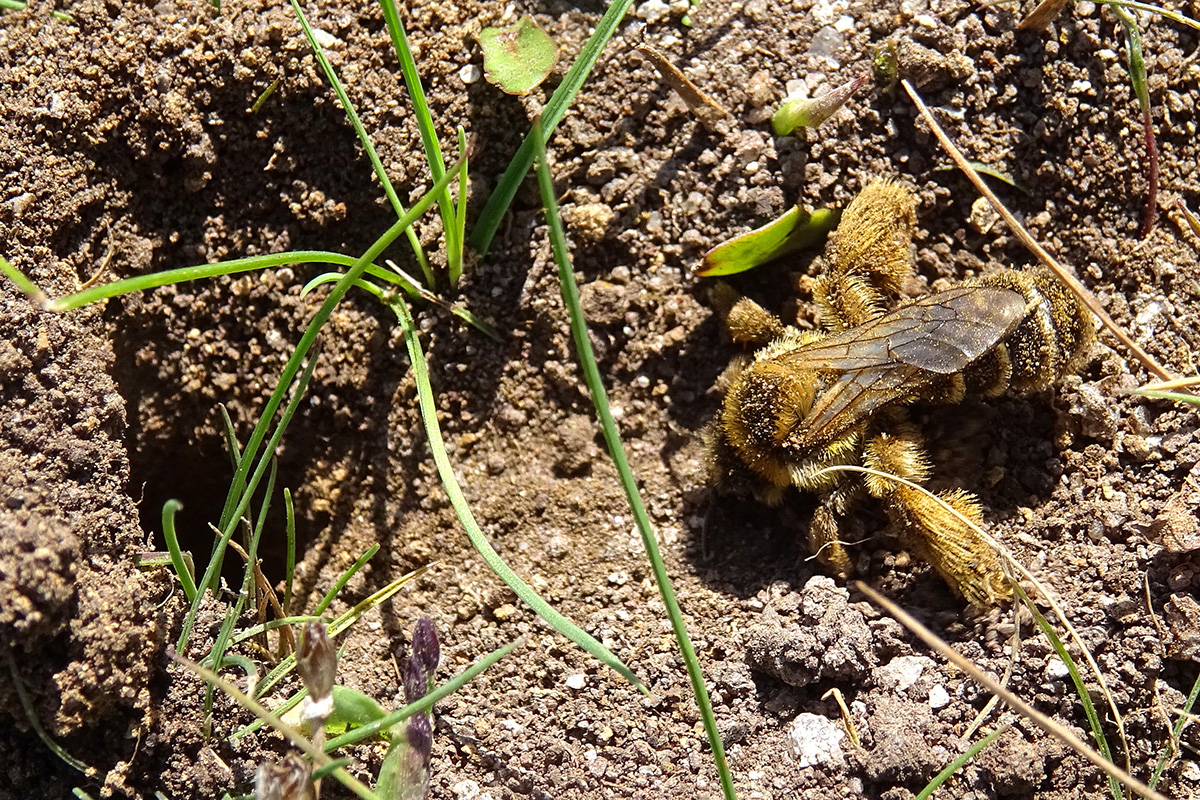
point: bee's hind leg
(957, 551)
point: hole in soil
(200, 481)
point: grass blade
(506, 188)
(345, 578)
(450, 483)
(1050, 726)
(178, 561)
(1137, 76)
(429, 140)
(425, 703)
(583, 345)
(1089, 709)
(958, 763)
(352, 115)
(294, 736)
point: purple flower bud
(425, 649)
(416, 685)
(316, 661)
(420, 737)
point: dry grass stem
(1032, 245)
(1050, 726)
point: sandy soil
(127, 147)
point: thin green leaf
(1085, 697)
(376, 164)
(433, 432)
(289, 567)
(958, 763)
(345, 578)
(455, 258)
(297, 739)
(31, 716)
(351, 709)
(1165, 757)
(1167, 13)
(425, 703)
(506, 188)
(985, 169)
(794, 230)
(178, 561)
(616, 450)
(1177, 397)
(28, 287)
(429, 140)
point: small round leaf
(517, 58)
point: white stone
(814, 740)
(938, 697)
(466, 790)
(902, 672)
(1056, 670)
(470, 73)
(576, 681)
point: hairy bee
(808, 400)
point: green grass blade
(31, 717)
(958, 763)
(1167, 13)
(433, 151)
(1177, 397)
(338, 625)
(460, 214)
(212, 573)
(23, 283)
(450, 483)
(365, 140)
(339, 290)
(289, 568)
(506, 188)
(425, 703)
(583, 345)
(345, 578)
(141, 283)
(1176, 732)
(170, 508)
(294, 736)
(1137, 76)
(1085, 698)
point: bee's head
(765, 403)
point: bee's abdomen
(1050, 342)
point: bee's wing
(899, 354)
(941, 334)
(856, 395)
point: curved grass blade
(365, 140)
(433, 432)
(958, 763)
(1085, 698)
(425, 703)
(583, 346)
(429, 140)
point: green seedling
(801, 111)
(517, 58)
(795, 230)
